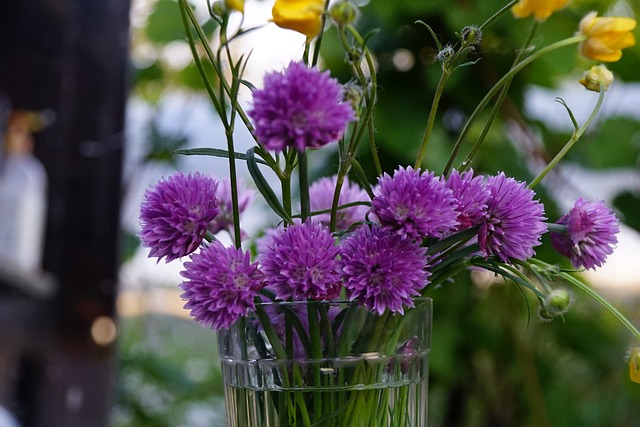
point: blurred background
(94, 98)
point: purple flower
(224, 219)
(221, 285)
(174, 214)
(299, 262)
(415, 204)
(300, 107)
(591, 234)
(321, 197)
(514, 221)
(471, 195)
(383, 269)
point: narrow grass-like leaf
(263, 186)
(215, 152)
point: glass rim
(327, 302)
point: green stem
(336, 198)
(606, 304)
(574, 138)
(501, 97)
(315, 356)
(303, 179)
(188, 11)
(370, 87)
(492, 92)
(316, 52)
(498, 14)
(432, 115)
(373, 148)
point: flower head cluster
(514, 221)
(221, 285)
(299, 262)
(471, 197)
(300, 108)
(321, 196)
(415, 204)
(591, 234)
(383, 269)
(175, 213)
(606, 36)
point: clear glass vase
(332, 364)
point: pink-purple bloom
(471, 197)
(590, 236)
(415, 204)
(221, 285)
(299, 262)
(321, 197)
(514, 221)
(175, 213)
(300, 107)
(382, 269)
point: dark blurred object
(57, 325)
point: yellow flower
(606, 36)
(541, 9)
(303, 16)
(596, 74)
(634, 365)
(235, 5)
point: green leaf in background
(628, 204)
(164, 25)
(616, 144)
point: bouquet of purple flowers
(382, 245)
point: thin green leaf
(215, 152)
(264, 188)
(433, 34)
(571, 116)
(361, 177)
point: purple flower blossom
(221, 285)
(174, 214)
(383, 269)
(514, 221)
(591, 234)
(415, 204)
(321, 197)
(471, 195)
(224, 219)
(300, 107)
(299, 262)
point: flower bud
(592, 77)
(218, 8)
(555, 304)
(558, 301)
(344, 12)
(634, 364)
(544, 315)
(235, 5)
(352, 94)
(445, 54)
(471, 35)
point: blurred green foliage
(493, 363)
(169, 374)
